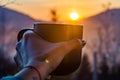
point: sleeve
(11, 78)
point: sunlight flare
(74, 16)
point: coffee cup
(54, 32)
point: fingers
(28, 34)
(77, 43)
(82, 42)
(31, 35)
(18, 60)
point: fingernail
(83, 43)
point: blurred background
(101, 21)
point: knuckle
(79, 41)
(18, 60)
(28, 34)
(18, 45)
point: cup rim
(56, 23)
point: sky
(40, 9)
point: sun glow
(74, 16)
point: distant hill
(19, 19)
(102, 32)
(11, 22)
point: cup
(54, 32)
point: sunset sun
(74, 16)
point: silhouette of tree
(84, 72)
(6, 67)
(107, 6)
(115, 72)
(54, 15)
(104, 69)
(3, 3)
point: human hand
(32, 50)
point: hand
(32, 50)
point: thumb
(77, 43)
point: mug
(54, 32)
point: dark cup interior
(53, 32)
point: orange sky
(40, 9)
